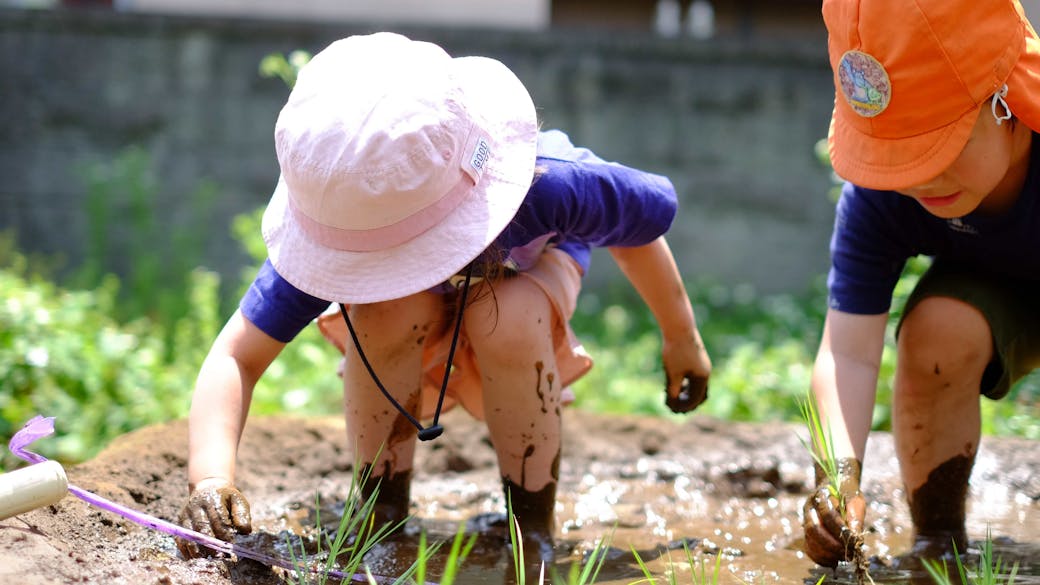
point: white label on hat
(479, 158)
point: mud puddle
(727, 489)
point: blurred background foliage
(106, 355)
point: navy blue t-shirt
(875, 232)
(578, 202)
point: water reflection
(728, 502)
(756, 538)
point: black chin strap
(434, 430)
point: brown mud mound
(720, 487)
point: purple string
(41, 426)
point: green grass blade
(649, 579)
(516, 540)
(457, 554)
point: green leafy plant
(761, 348)
(123, 214)
(63, 354)
(286, 68)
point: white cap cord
(999, 98)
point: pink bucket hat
(399, 166)
(911, 75)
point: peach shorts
(557, 275)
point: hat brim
(493, 95)
(893, 164)
(1023, 96)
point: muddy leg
(938, 509)
(393, 495)
(391, 335)
(514, 347)
(944, 346)
(534, 514)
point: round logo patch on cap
(864, 83)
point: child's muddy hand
(833, 527)
(688, 394)
(217, 508)
(687, 368)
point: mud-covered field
(720, 487)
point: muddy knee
(942, 341)
(514, 322)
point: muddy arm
(652, 271)
(223, 391)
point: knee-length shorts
(1010, 307)
(558, 276)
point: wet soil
(719, 487)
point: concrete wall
(732, 125)
(514, 14)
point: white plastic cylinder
(28, 488)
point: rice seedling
(821, 448)
(990, 571)
(516, 541)
(460, 549)
(583, 573)
(587, 571)
(355, 536)
(700, 573)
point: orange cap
(910, 76)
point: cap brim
(495, 96)
(900, 163)
(892, 164)
(1024, 83)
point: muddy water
(722, 488)
(757, 538)
(739, 498)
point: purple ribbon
(41, 426)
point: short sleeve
(869, 249)
(278, 308)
